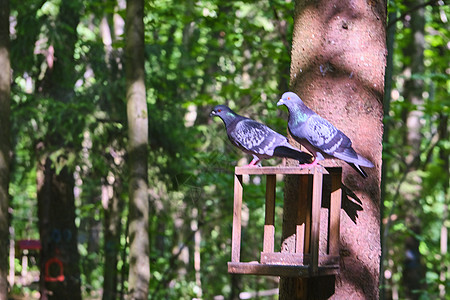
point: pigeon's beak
(280, 102)
(212, 114)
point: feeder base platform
(255, 268)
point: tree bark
(338, 65)
(5, 145)
(137, 114)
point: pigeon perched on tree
(319, 136)
(256, 138)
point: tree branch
(403, 15)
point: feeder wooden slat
(299, 241)
(269, 228)
(308, 194)
(335, 210)
(296, 259)
(303, 233)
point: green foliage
(418, 195)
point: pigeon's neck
(298, 114)
(229, 118)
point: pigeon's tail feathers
(359, 170)
(302, 157)
(362, 161)
(353, 158)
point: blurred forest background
(199, 54)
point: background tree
(337, 69)
(55, 180)
(137, 115)
(5, 145)
(413, 269)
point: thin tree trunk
(236, 286)
(414, 269)
(338, 65)
(5, 146)
(444, 155)
(137, 114)
(112, 184)
(112, 208)
(390, 38)
(414, 86)
(91, 228)
(197, 247)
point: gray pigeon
(319, 136)
(256, 138)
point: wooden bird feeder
(305, 261)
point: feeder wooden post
(335, 211)
(269, 228)
(315, 216)
(237, 208)
(301, 245)
(303, 233)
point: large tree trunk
(137, 114)
(56, 210)
(5, 147)
(55, 185)
(338, 64)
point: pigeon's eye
(219, 110)
(289, 98)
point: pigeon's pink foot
(253, 163)
(313, 164)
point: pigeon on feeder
(257, 139)
(319, 136)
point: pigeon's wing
(256, 138)
(324, 136)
